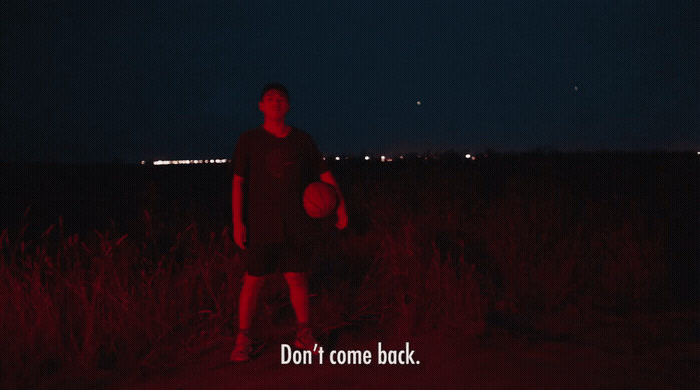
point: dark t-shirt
(276, 171)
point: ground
(617, 353)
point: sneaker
(305, 340)
(246, 348)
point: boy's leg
(258, 263)
(246, 309)
(299, 295)
(248, 300)
(294, 263)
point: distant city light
(382, 158)
(186, 162)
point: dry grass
(439, 257)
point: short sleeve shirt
(275, 172)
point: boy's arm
(327, 177)
(239, 231)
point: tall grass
(426, 249)
(110, 302)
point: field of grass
(445, 245)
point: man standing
(273, 164)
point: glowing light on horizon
(187, 162)
(468, 156)
(366, 158)
(383, 158)
(337, 159)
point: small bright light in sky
(418, 102)
(337, 159)
(383, 158)
(575, 87)
(468, 156)
(366, 157)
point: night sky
(125, 81)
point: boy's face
(274, 105)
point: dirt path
(608, 359)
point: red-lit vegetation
(425, 250)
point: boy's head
(276, 86)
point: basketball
(319, 199)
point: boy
(273, 164)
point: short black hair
(275, 86)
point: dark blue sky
(99, 82)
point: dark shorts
(265, 259)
